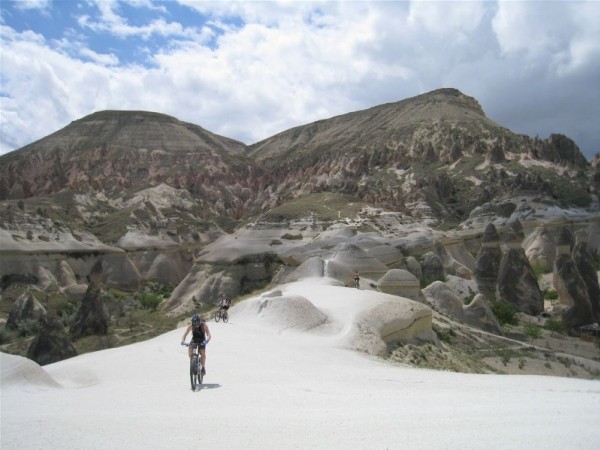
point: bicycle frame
(195, 367)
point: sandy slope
(270, 386)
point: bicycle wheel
(194, 372)
(225, 317)
(217, 316)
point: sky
(248, 70)
(276, 381)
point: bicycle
(222, 314)
(196, 375)
(357, 283)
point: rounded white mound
(17, 370)
(282, 312)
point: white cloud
(42, 5)
(110, 21)
(102, 59)
(248, 70)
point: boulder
(444, 300)
(479, 314)
(400, 282)
(432, 267)
(414, 267)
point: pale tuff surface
(283, 379)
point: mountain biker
(356, 278)
(225, 302)
(200, 335)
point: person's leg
(202, 357)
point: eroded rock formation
(93, 317)
(571, 287)
(51, 343)
(517, 282)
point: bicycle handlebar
(187, 344)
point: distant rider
(225, 302)
(200, 335)
(356, 278)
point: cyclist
(225, 303)
(200, 335)
(356, 278)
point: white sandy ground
(268, 387)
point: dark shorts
(225, 307)
(197, 344)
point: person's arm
(207, 332)
(187, 330)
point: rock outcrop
(571, 287)
(27, 308)
(487, 263)
(51, 344)
(477, 314)
(93, 317)
(583, 261)
(517, 283)
(432, 267)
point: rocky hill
(142, 199)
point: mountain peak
(134, 130)
(450, 96)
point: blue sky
(248, 70)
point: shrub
(505, 313)
(555, 326)
(550, 294)
(444, 335)
(150, 301)
(539, 270)
(533, 331)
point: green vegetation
(554, 326)
(505, 313)
(539, 270)
(150, 300)
(550, 294)
(134, 317)
(444, 335)
(533, 331)
(323, 206)
(506, 355)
